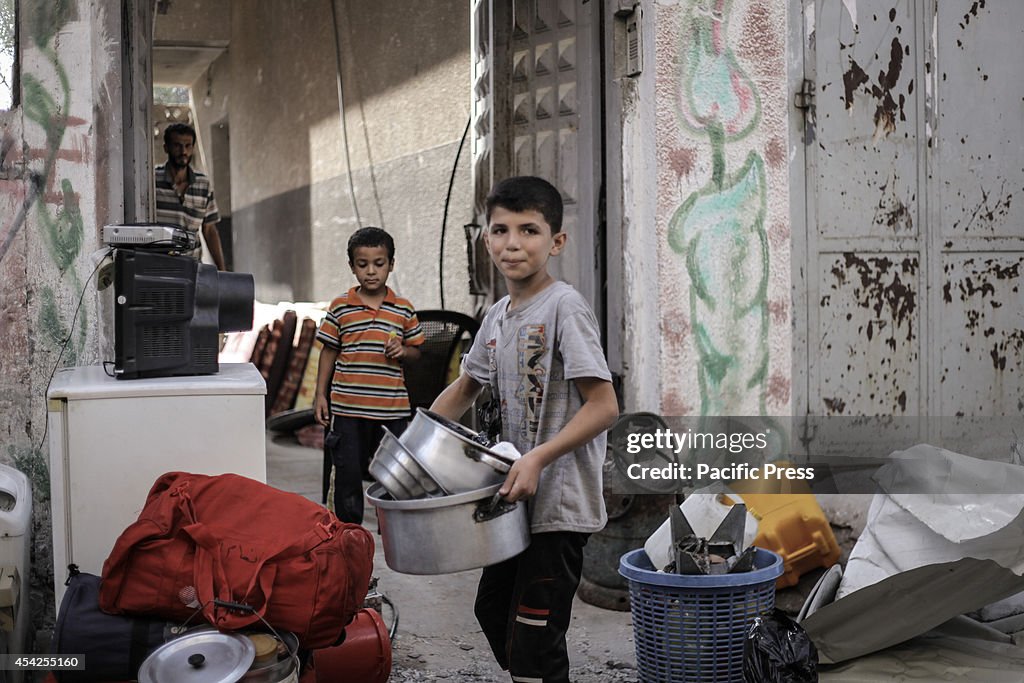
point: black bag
(778, 650)
(488, 414)
(114, 646)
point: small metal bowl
(399, 472)
(449, 452)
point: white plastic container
(110, 439)
(15, 543)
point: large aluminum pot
(205, 655)
(449, 534)
(399, 473)
(201, 656)
(447, 450)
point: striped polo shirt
(192, 211)
(366, 383)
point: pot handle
(490, 509)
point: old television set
(169, 311)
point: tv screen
(169, 311)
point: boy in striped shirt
(367, 334)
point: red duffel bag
(224, 541)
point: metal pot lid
(205, 656)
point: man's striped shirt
(191, 212)
(366, 383)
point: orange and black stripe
(366, 383)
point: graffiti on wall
(32, 182)
(57, 210)
(719, 229)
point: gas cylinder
(632, 517)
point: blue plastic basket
(691, 628)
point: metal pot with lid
(200, 656)
(205, 655)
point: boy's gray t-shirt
(529, 358)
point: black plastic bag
(778, 650)
(113, 646)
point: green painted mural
(48, 107)
(719, 229)
(46, 102)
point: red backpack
(224, 541)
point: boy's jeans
(350, 446)
(524, 606)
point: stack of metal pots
(205, 655)
(437, 503)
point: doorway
(908, 286)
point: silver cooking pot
(399, 473)
(451, 533)
(448, 452)
(205, 655)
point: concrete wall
(60, 181)
(405, 69)
(193, 22)
(717, 98)
(705, 209)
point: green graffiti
(64, 230)
(52, 327)
(719, 229)
(716, 92)
(721, 233)
(45, 19)
(42, 108)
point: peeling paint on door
(868, 340)
(888, 109)
(983, 335)
(915, 240)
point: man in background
(184, 197)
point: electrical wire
(67, 339)
(341, 112)
(393, 629)
(444, 219)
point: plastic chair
(447, 334)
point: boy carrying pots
(539, 351)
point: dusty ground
(438, 638)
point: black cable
(67, 339)
(394, 612)
(447, 201)
(341, 113)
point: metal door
(537, 112)
(907, 294)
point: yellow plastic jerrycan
(790, 523)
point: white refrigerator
(111, 439)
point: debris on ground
(610, 672)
